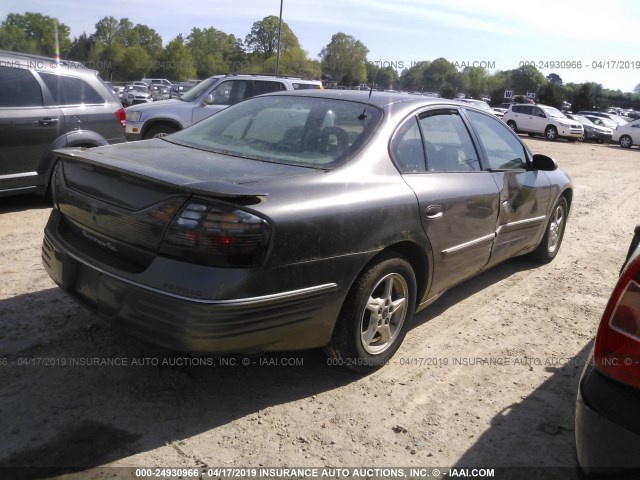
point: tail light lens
(218, 235)
(617, 347)
(122, 116)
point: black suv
(47, 104)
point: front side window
(315, 132)
(18, 88)
(503, 150)
(447, 143)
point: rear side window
(305, 86)
(70, 90)
(260, 87)
(18, 88)
(524, 109)
(230, 92)
(447, 143)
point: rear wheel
(158, 131)
(625, 141)
(375, 316)
(550, 244)
(551, 133)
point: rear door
(28, 128)
(458, 201)
(84, 108)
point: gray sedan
(298, 220)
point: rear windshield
(291, 130)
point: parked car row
(203, 100)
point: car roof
(44, 64)
(375, 98)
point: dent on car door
(458, 202)
(27, 128)
(524, 193)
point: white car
(628, 134)
(543, 120)
(135, 94)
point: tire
(551, 133)
(584, 138)
(554, 233)
(512, 125)
(625, 141)
(158, 131)
(375, 316)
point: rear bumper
(607, 430)
(289, 320)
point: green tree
(106, 30)
(42, 31)
(475, 81)
(177, 61)
(549, 94)
(263, 37)
(412, 78)
(526, 79)
(440, 72)
(588, 96)
(215, 52)
(344, 58)
(81, 48)
(554, 79)
(15, 39)
(294, 62)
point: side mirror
(544, 163)
(208, 100)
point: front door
(524, 193)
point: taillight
(617, 347)
(122, 116)
(218, 235)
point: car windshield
(582, 119)
(603, 122)
(292, 130)
(553, 112)
(196, 91)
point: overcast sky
(593, 40)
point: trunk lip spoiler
(181, 183)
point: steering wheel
(331, 139)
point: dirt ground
(487, 377)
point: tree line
(122, 51)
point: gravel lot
(486, 378)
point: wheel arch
(154, 122)
(417, 257)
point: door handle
(47, 121)
(434, 211)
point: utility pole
(279, 32)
